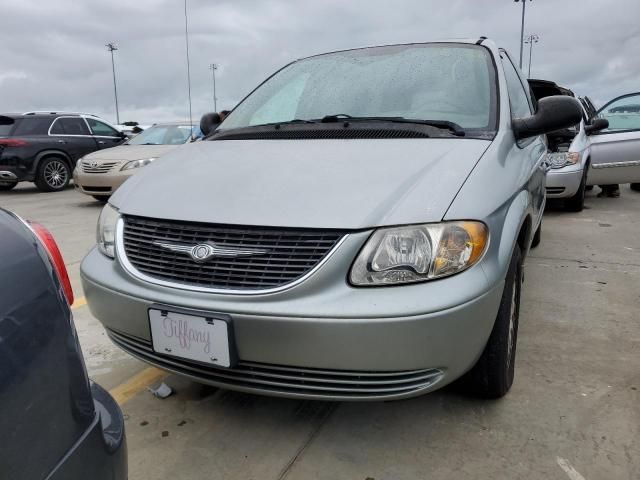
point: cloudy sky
(53, 54)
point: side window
(518, 99)
(74, 126)
(101, 129)
(623, 113)
(56, 128)
(32, 126)
(69, 126)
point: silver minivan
(355, 229)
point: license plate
(200, 338)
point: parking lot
(573, 412)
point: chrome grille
(287, 380)
(288, 254)
(105, 167)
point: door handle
(101, 142)
(62, 141)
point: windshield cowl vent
(319, 134)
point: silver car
(355, 229)
(601, 149)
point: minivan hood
(130, 152)
(350, 184)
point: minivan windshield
(450, 82)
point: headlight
(137, 163)
(106, 231)
(416, 253)
(562, 159)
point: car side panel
(45, 398)
(615, 158)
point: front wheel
(492, 376)
(53, 175)
(5, 186)
(535, 241)
(576, 203)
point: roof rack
(57, 112)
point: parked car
(601, 149)
(43, 147)
(355, 229)
(100, 173)
(55, 423)
(569, 149)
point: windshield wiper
(443, 124)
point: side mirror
(209, 122)
(596, 125)
(554, 113)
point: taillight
(50, 245)
(12, 142)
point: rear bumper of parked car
(323, 339)
(101, 452)
(563, 182)
(100, 184)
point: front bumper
(320, 339)
(100, 184)
(563, 182)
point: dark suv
(43, 147)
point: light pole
(111, 47)
(531, 39)
(524, 4)
(186, 41)
(213, 67)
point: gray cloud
(53, 53)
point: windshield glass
(451, 82)
(163, 135)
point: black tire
(635, 186)
(535, 241)
(101, 198)
(493, 374)
(53, 174)
(576, 203)
(6, 186)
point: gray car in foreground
(54, 423)
(355, 229)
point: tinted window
(5, 129)
(101, 128)
(32, 126)
(623, 113)
(450, 82)
(69, 126)
(518, 98)
(163, 135)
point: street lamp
(524, 4)
(111, 47)
(530, 40)
(213, 67)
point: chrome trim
(631, 163)
(211, 250)
(134, 272)
(4, 175)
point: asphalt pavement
(573, 412)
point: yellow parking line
(79, 302)
(136, 384)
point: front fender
(505, 226)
